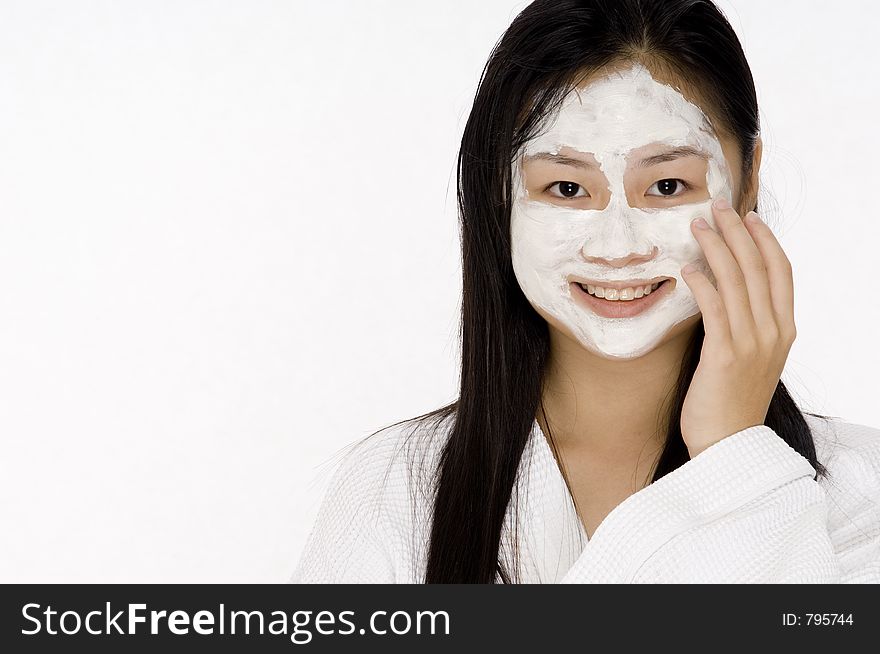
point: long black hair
(504, 342)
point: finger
(779, 274)
(731, 281)
(715, 321)
(750, 260)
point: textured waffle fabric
(745, 510)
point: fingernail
(688, 269)
(752, 217)
(701, 223)
(722, 203)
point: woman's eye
(569, 190)
(669, 187)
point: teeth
(624, 294)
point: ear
(750, 195)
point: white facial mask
(550, 243)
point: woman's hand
(749, 325)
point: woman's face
(602, 205)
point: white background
(228, 248)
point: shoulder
(839, 442)
(850, 453)
(387, 469)
(371, 515)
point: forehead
(620, 111)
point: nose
(618, 237)
(631, 259)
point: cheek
(530, 243)
(671, 233)
(547, 238)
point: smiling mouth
(621, 302)
(620, 295)
(621, 291)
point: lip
(628, 283)
(622, 308)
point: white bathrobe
(745, 510)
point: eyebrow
(663, 157)
(561, 159)
(672, 155)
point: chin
(629, 352)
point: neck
(611, 408)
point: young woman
(626, 319)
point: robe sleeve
(350, 541)
(745, 510)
